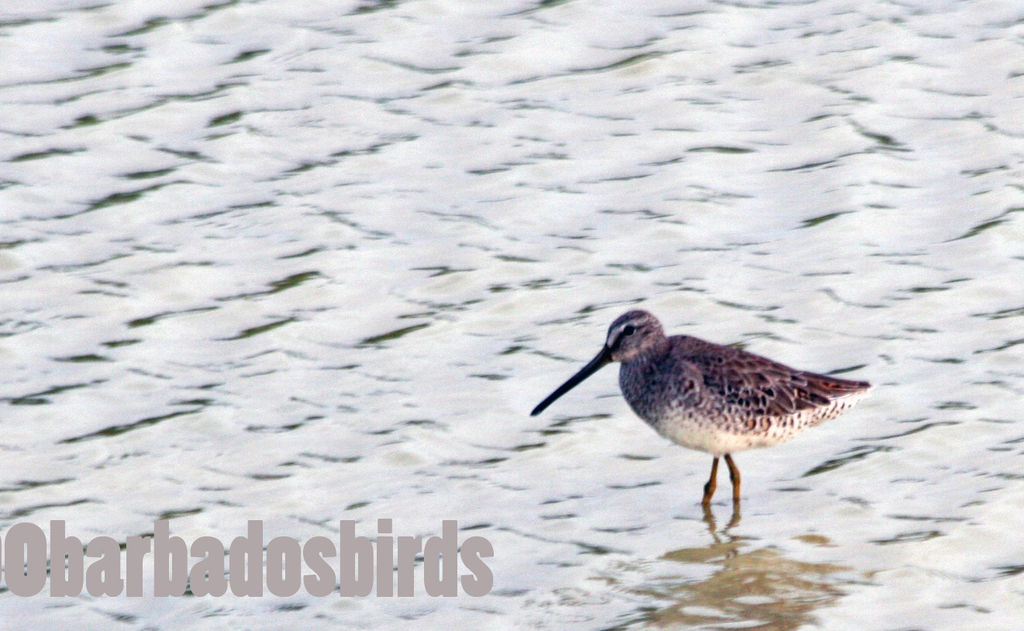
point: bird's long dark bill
(595, 364)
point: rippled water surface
(313, 261)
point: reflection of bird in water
(742, 586)
(746, 586)
(712, 398)
(709, 519)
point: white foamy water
(307, 262)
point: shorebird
(712, 398)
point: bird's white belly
(715, 438)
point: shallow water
(305, 262)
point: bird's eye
(629, 329)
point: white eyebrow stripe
(616, 333)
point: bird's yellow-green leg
(734, 476)
(709, 488)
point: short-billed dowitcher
(709, 397)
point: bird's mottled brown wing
(757, 385)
